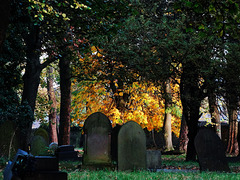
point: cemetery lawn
(174, 167)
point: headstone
(66, 152)
(38, 146)
(210, 151)
(76, 137)
(42, 132)
(154, 160)
(131, 147)
(97, 144)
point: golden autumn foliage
(144, 105)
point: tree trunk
(191, 96)
(53, 108)
(4, 14)
(168, 117)
(183, 135)
(31, 80)
(215, 115)
(65, 107)
(232, 147)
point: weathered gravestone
(38, 146)
(42, 132)
(131, 147)
(97, 145)
(154, 160)
(210, 151)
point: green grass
(138, 175)
(169, 162)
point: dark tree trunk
(232, 147)
(31, 82)
(168, 117)
(183, 135)
(4, 14)
(215, 115)
(65, 107)
(53, 108)
(191, 96)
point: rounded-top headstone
(97, 146)
(210, 151)
(38, 146)
(42, 132)
(131, 147)
(97, 119)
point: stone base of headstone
(46, 163)
(154, 160)
(48, 175)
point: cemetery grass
(176, 163)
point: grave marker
(210, 151)
(66, 152)
(97, 145)
(154, 160)
(38, 145)
(131, 147)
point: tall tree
(183, 139)
(232, 86)
(65, 107)
(53, 135)
(168, 117)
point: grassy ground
(184, 170)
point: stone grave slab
(46, 163)
(48, 175)
(131, 147)
(154, 160)
(210, 151)
(66, 152)
(97, 144)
